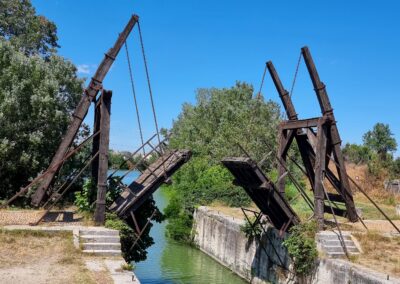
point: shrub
(301, 247)
(82, 198)
(250, 230)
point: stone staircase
(100, 241)
(329, 243)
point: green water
(171, 262)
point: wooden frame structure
(319, 142)
(90, 93)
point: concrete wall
(219, 236)
(342, 271)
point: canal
(171, 262)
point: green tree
(212, 128)
(380, 139)
(31, 33)
(395, 170)
(37, 98)
(357, 153)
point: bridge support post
(319, 193)
(95, 149)
(105, 112)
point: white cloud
(83, 69)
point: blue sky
(196, 44)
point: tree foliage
(222, 118)
(380, 139)
(357, 153)
(28, 32)
(212, 128)
(37, 97)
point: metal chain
(134, 95)
(148, 82)
(262, 81)
(295, 75)
(151, 95)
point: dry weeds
(379, 252)
(38, 257)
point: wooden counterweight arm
(327, 111)
(283, 94)
(81, 110)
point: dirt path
(36, 257)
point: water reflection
(171, 262)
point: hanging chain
(134, 96)
(148, 82)
(262, 81)
(151, 99)
(295, 75)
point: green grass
(369, 210)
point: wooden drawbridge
(262, 191)
(148, 182)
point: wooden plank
(296, 124)
(262, 191)
(335, 197)
(81, 110)
(149, 181)
(336, 211)
(105, 110)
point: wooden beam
(96, 143)
(335, 197)
(319, 193)
(105, 109)
(283, 94)
(337, 211)
(296, 124)
(326, 109)
(285, 140)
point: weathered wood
(296, 124)
(326, 109)
(148, 182)
(335, 197)
(262, 191)
(105, 112)
(81, 110)
(283, 94)
(96, 143)
(319, 194)
(285, 140)
(337, 211)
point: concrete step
(103, 252)
(332, 236)
(339, 254)
(99, 239)
(336, 242)
(339, 248)
(99, 233)
(101, 246)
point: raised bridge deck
(262, 191)
(149, 181)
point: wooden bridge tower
(317, 148)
